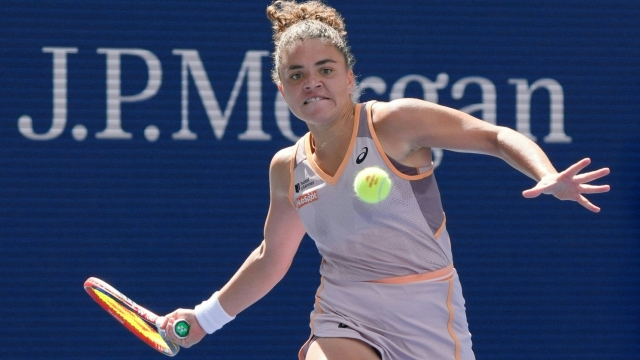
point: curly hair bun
(285, 13)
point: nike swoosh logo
(362, 155)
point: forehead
(304, 53)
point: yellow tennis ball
(372, 185)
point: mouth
(313, 99)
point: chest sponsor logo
(306, 199)
(362, 155)
(301, 186)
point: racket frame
(148, 316)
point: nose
(313, 82)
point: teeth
(312, 100)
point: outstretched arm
(408, 128)
(265, 266)
(526, 156)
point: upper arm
(283, 230)
(406, 125)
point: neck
(332, 136)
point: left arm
(407, 127)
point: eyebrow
(319, 63)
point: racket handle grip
(181, 327)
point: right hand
(571, 185)
(196, 333)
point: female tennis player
(388, 288)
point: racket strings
(134, 320)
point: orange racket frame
(140, 321)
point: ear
(351, 82)
(281, 91)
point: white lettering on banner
(251, 70)
(429, 87)
(556, 103)
(114, 95)
(488, 105)
(25, 123)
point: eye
(296, 76)
(326, 71)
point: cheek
(288, 93)
(289, 96)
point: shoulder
(402, 117)
(280, 169)
(399, 123)
(401, 110)
(283, 156)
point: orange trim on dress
(450, 322)
(301, 356)
(444, 221)
(446, 273)
(292, 166)
(384, 155)
(333, 180)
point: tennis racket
(140, 321)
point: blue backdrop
(135, 139)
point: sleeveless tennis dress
(387, 272)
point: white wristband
(210, 314)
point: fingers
(170, 335)
(532, 193)
(593, 175)
(574, 169)
(587, 204)
(162, 322)
(166, 324)
(594, 189)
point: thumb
(534, 191)
(163, 321)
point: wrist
(210, 314)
